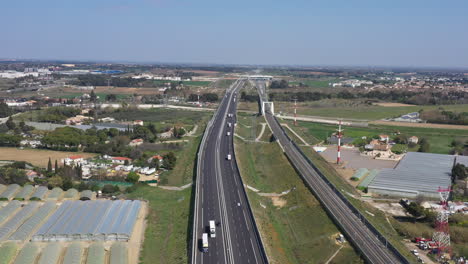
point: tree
(93, 96)
(111, 97)
(49, 166)
(459, 171)
(424, 146)
(132, 177)
(5, 110)
(108, 188)
(10, 124)
(56, 166)
(169, 161)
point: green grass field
(189, 83)
(168, 220)
(299, 231)
(160, 115)
(316, 83)
(361, 111)
(439, 139)
(183, 171)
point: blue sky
(353, 32)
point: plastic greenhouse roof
(50, 254)
(118, 253)
(28, 254)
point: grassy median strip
(294, 227)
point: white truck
(205, 242)
(228, 157)
(229, 124)
(212, 228)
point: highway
(373, 249)
(220, 195)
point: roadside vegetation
(167, 226)
(443, 141)
(294, 227)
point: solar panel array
(90, 220)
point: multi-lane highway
(373, 249)
(220, 195)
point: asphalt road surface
(220, 196)
(361, 236)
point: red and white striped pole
(338, 157)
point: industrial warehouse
(417, 174)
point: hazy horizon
(415, 34)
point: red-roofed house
(136, 142)
(385, 138)
(73, 160)
(158, 157)
(138, 122)
(120, 160)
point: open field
(439, 139)
(38, 157)
(422, 125)
(294, 227)
(186, 161)
(392, 104)
(161, 115)
(167, 230)
(353, 110)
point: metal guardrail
(197, 181)
(265, 256)
(374, 230)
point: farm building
(416, 174)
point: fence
(374, 230)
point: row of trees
(442, 116)
(418, 98)
(205, 97)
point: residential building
(136, 142)
(413, 139)
(120, 160)
(138, 123)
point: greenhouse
(8, 210)
(86, 195)
(359, 174)
(55, 194)
(25, 230)
(8, 252)
(368, 179)
(40, 193)
(24, 193)
(50, 254)
(10, 191)
(96, 254)
(28, 254)
(74, 254)
(15, 221)
(118, 254)
(71, 193)
(90, 220)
